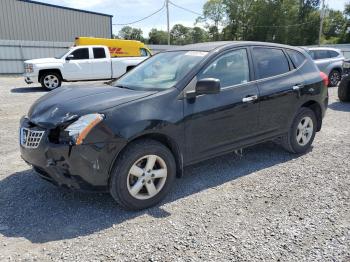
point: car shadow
(40, 212)
(340, 106)
(28, 89)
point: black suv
(177, 108)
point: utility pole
(168, 22)
(321, 23)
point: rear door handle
(248, 99)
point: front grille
(30, 138)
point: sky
(125, 11)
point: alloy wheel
(51, 81)
(305, 130)
(147, 177)
(334, 78)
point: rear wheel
(50, 80)
(302, 132)
(334, 78)
(344, 91)
(143, 175)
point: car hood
(68, 103)
(43, 61)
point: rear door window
(81, 53)
(270, 62)
(296, 57)
(321, 54)
(99, 53)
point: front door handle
(297, 87)
(248, 99)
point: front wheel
(334, 78)
(302, 132)
(50, 80)
(143, 175)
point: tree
(214, 13)
(346, 35)
(180, 34)
(285, 21)
(334, 27)
(130, 33)
(198, 35)
(158, 37)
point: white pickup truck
(80, 63)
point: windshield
(161, 71)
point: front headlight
(346, 64)
(79, 129)
(29, 68)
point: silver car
(329, 61)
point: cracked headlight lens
(79, 129)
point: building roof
(63, 7)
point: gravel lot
(267, 205)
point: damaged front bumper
(83, 167)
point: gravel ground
(267, 205)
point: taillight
(324, 78)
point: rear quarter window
(296, 57)
(270, 62)
(333, 53)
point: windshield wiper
(124, 87)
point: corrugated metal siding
(13, 53)
(30, 21)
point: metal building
(36, 21)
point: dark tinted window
(333, 53)
(82, 53)
(270, 62)
(296, 57)
(320, 54)
(231, 68)
(143, 52)
(99, 52)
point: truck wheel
(334, 78)
(143, 175)
(302, 132)
(344, 91)
(50, 80)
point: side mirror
(69, 57)
(205, 86)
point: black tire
(119, 177)
(56, 78)
(334, 78)
(289, 141)
(344, 91)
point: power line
(184, 8)
(142, 19)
